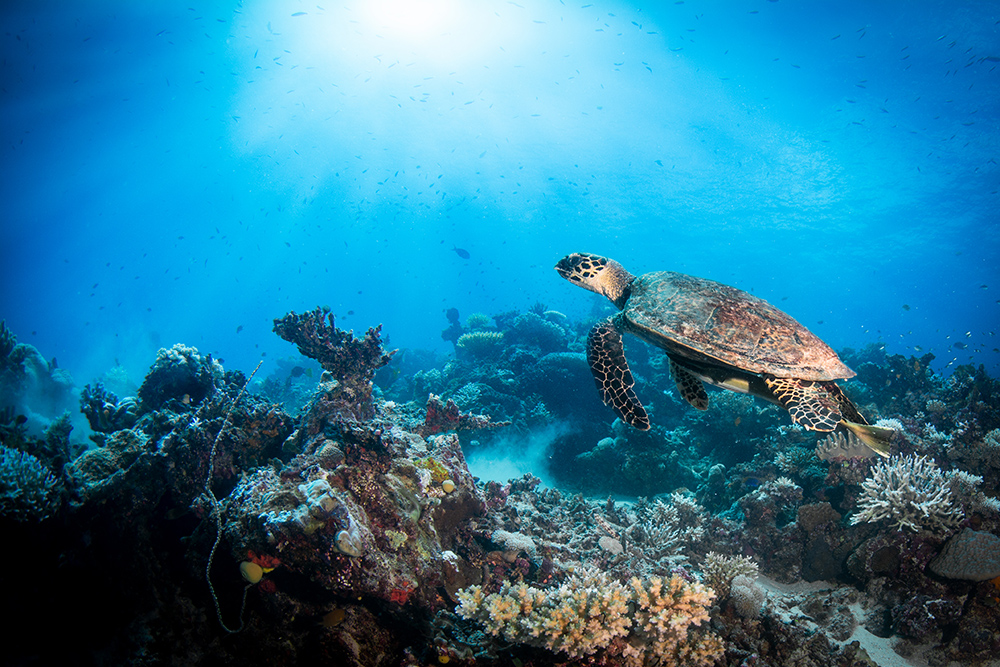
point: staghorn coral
(633, 624)
(911, 493)
(663, 531)
(28, 491)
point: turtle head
(597, 274)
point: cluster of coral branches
(443, 416)
(336, 350)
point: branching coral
(720, 571)
(911, 493)
(336, 350)
(28, 491)
(447, 417)
(352, 361)
(643, 622)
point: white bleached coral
(910, 493)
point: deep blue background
(172, 173)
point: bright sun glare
(413, 21)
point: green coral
(438, 472)
(481, 344)
(478, 321)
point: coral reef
(351, 361)
(180, 375)
(349, 529)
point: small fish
(239, 328)
(464, 254)
(960, 345)
(299, 371)
(906, 306)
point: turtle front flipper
(606, 357)
(690, 387)
(809, 403)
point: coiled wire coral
(640, 623)
(911, 493)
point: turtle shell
(717, 324)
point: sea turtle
(717, 334)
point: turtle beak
(565, 266)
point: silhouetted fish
(464, 254)
(239, 328)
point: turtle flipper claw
(809, 403)
(606, 357)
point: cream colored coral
(589, 611)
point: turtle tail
(876, 437)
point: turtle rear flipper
(606, 357)
(876, 437)
(809, 403)
(690, 387)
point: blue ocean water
(177, 173)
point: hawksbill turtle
(717, 334)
